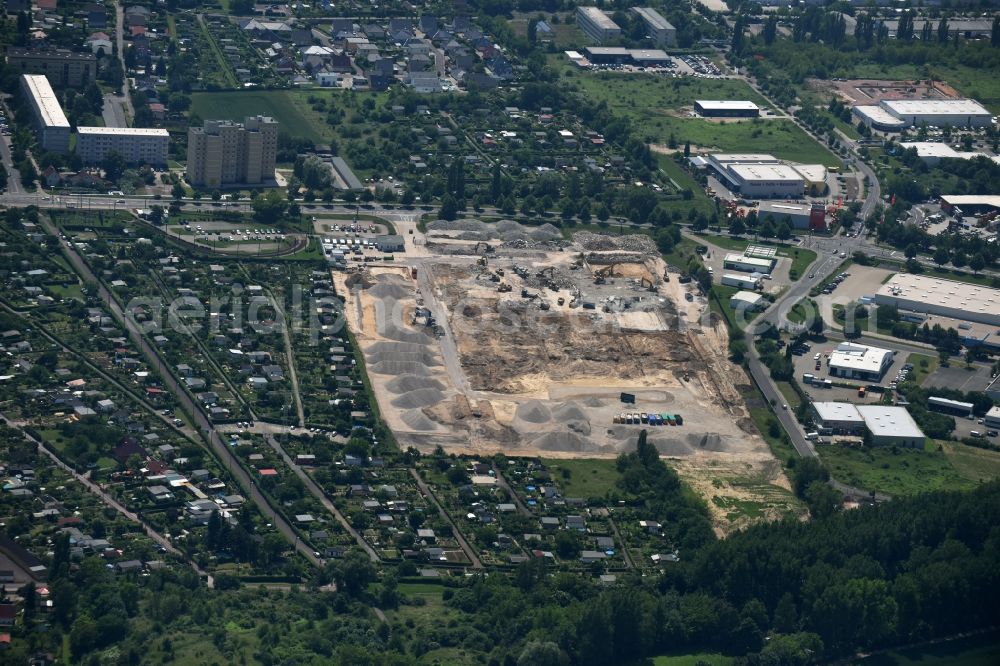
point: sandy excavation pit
(497, 371)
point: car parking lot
(958, 376)
(805, 363)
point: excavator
(647, 283)
(601, 275)
(503, 287)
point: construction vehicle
(544, 305)
(482, 248)
(527, 294)
(560, 301)
(602, 274)
(481, 261)
(548, 269)
(503, 287)
(413, 273)
(647, 283)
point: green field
(923, 365)
(710, 658)
(288, 107)
(584, 478)
(657, 108)
(973, 651)
(909, 471)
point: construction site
(529, 347)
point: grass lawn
(781, 449)
(711, 658)
(657, 107)
(905, 472)
(583, 478)
(279, 104)
(972, 463)
(981, 650)
(792, 398)
(923, 366)
(804, 308)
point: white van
(812, 436)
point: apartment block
(62, 67)
(226, 153)
(137, 145)
(50, 122)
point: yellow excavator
(602, 274)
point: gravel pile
(639, 243)
(505, 230)
(424, 397)
(533, 411)
(405, 383)
(562, 441)
(418, 421)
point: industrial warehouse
(764, 176)
(726, 108)
(853, 361)
(947, 298)
(616, 55)
(799, 216)
(893, 115)
(888, 425)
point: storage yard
(528, 347)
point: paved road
(126, 98)
(113, 111)
(466, 548)
(201, 422)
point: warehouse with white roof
(726, 108)
(946, 298)
(739, 262)
(841, 418)
(854, 361)
(49, 120)
(893, 115)
(892, 426)
(758, 175)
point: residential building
(138, 145)
(62, 67)
(657, 27)
(50, 122)
(227, 153)
(596, 24)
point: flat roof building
(950, 406)
(657, 27)
(800, 216)
(948, 298)
(747, 300)
(618, 55)
(49, 120)
(227, 153)
(992, 417)
(939, 112)
(878, 118)
(840, 417)
(970, 203)
(758, 175)
(854, 361)
(738, 262)
(892, 426)
(933, 152)
(138, 145)
(726, 108)
(596, 24)
(62, 67)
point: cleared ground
(504, 366)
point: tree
(113, 165)
(771, 29)
(177, 191)
(737, 227)
(354, 572)
(269, 208)
(978, 262)
(995, 32)
(959, 259)
(449, 208)
(538, 653)
(784, 230)
(943, 31)
(941, 256)
(567, 544)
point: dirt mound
(419, 398)
(395, 367)
(671, 447)
(562, 441)
(569, 411)
(407, 383)
(390, 290)
(533, 411)
(418, 421)
(709, 442)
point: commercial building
(970, 203)
(596, 24)
(892, 426)
(617, 55)
(799, 216)
(947, 298)
(949, 406)
(739, 262)
(757, 175)
(992, 418)
(840, 418)
(888, 425)
(227, 153)
(853, 361)
(747, 300)
(657, 27)
(895, 114)
(390, 243)
(932, 152)
(62, 67)
(726, 108)
(138, 145)
(741, 281)
(50, 122)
